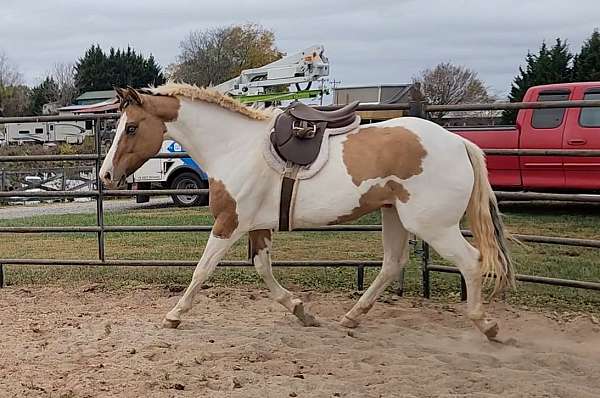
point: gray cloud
(378, 41)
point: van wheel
(189, 180)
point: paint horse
(422, 177)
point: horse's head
(140, 133)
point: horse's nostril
(107, 176)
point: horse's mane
(212, 96)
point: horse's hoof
(348, 323)
(304, 317)
(170, 324)
(491, 330)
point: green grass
(536, 259)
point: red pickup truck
(559, 128)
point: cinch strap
(287, 195)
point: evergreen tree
(586, 65)
(154, 74)
(42, 94)
(91, 71)
(548, 66)
(120, 68)
(558, 68)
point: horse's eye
(131, 129)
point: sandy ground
(237, 343)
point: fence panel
(414, 108)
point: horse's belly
(324, 198)
(321, 200)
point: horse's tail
(487, 225)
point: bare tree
(449, 84)
(63, 75)
(9, 76)
(17, 102)
(14, 96)
(219, 54)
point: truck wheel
(189, 180)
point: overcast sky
(367, 42)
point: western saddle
(297, 137)
(298, 132)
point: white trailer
(72, 132)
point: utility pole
(322, 90)
(333, 84)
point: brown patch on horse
(376, 197)
(258, 240)
(223, 208)
(379, 152)
(149, 115)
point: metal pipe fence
(415, 108)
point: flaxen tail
(487, 226)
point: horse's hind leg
(450, 244)
(260, 242)
(213, 253)
(395, 256)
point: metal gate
(415, 108)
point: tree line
(207, 57)
(555, 64)
(214, 55)
(448, 84)
(95, 70)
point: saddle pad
(276, 163)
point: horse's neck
(219, 140)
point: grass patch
(536, 259)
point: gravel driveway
(31, 210)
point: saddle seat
(334, 119)
(298, 132)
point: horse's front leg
(213, 253)
(260, 243)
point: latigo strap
(288, 186)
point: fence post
(2, 183)
(1, 275)
(400, 289)
(250, 250)
(416, 105)
(425, 269)
(360, 277)
(463, 289)
(100, 198)
(417, 109)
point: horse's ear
(134, 95)
(123, 98)
(121, 94)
